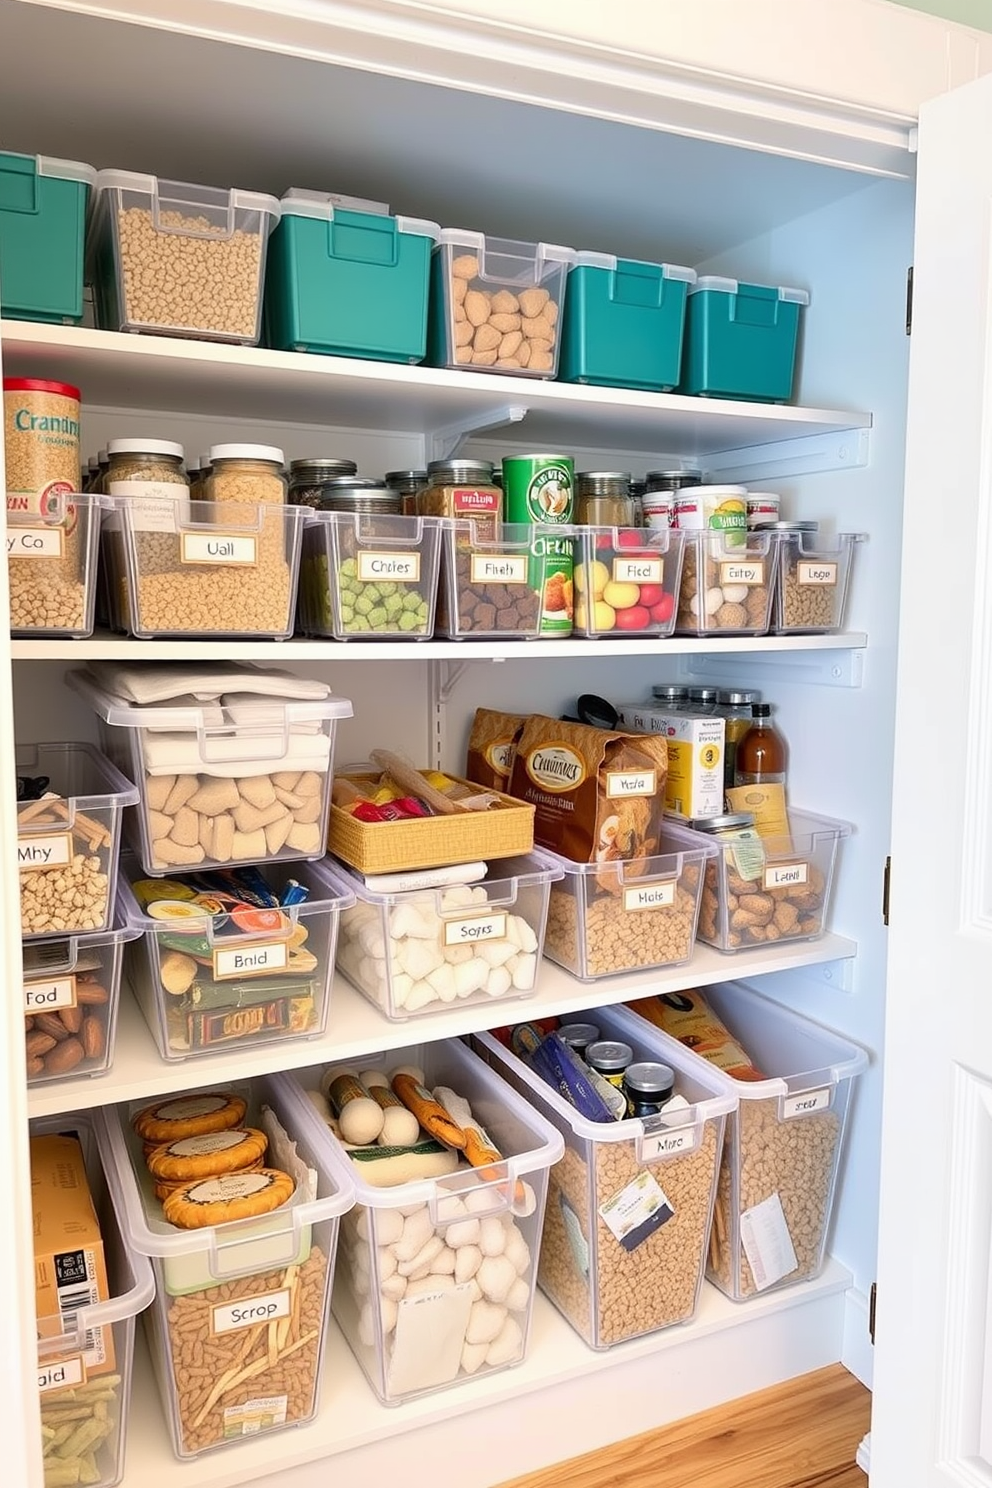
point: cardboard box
(696, 742)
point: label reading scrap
(633, 1214)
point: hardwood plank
(802, 1434)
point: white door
(932, 1417)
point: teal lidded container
(741, 340)
(624, 322)
(43, 206)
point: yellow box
(694, 785)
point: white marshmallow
(507, 1344)
(462, 1232)
(523, 970)
(442, 979)
(423, 1257)
(516, 1250)
(417, 1230)
(473, 1356)
(443, 1263)
(419, 996)
(485, 1322)
(419, 958)
(500, 981)
(525, 937)
(457, 897)
(388, 1225)
(394, 1287)
(518, 1296)
(492, 1236)
(467, 1262)
(496, 1276)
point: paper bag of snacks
(491, 747)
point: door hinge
(871, 1311)
(886, 880)
(909, 300)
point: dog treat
(190, 1116)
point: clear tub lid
(587, 258)
(321, 204)
(733, 286)
(187, 193)
(481, 243)
(49, 165)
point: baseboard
(863, 1458)
(859, 1352)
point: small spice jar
(578, 1036)
(408, 483)
(249, 473)
(671, 695)
(648, 1087)
(602, 499)
(307, 478)
(703, 699)
(610, 1058)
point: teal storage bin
(624, 322)
(348, 283)
(741, 340)
(43, 205)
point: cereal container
(52, 567)
(813, 577)
(239, 1323)
(41, 444)
(630, 1204)
(783, 1147)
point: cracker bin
(52, 566)
(281, 1262)
(223, 766)
(607, 1291)
(204, 987)
(782, 1152)
(414, 1345)
(88, 1363)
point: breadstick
(411, 781)
(429, 1112)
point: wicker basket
(504, 831)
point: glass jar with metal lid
(671, 694)
(734, 706)
(251, 474)
(609, 1058)
(408, 483)
(658, 501)
(602, 499)
(745, 849)
(578, 1036)
(703, 699)
(307, 478)
(462, 489)
(648, 1087)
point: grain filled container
(812, 579)
(630, 1204)
(623, 322)
(43, 205)
(435, 1281)
(741, 340)
(783, 1146)
(52, 567)
(248, 1294)
(348, 281)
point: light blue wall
(966, 12)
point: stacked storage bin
(43, 206)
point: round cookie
(216, 1201)
(189, 1116)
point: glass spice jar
(602, 499)
(408, 483)
(307, 478)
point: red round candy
(629, 537)
(636, 618)
(662, 612)
(651, 594)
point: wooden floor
(803, 1434)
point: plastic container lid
(321, 204)
(721, 823)
(145, 447)
(589, 259)
(39, 385)
(732, 286)
(249, 712)
(243, 201)
(267, 452)
(464, 237)
(64, 170)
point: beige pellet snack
(512, 331)
(805, 605)
(192, 278)
(74, 895)
(193, 819)
(613, 937)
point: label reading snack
(805, 1103)
(35, 542)
(631, 783)
(486, 568)
(229, 548)
(767, 1243)
(816, 573)
(784, 875)
(268, 1307)
(393, 568)
(649, 896)
(477, 928)
(638, 570)
(255, 1416)
(633, 1214)
(47, 997)
(740, 571)
(257, 959)
(61, 1374)
(38, 853)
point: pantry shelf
(166, 373)
(357, 1029)
(777, 1335)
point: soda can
(540, 490)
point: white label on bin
(267, 1307)
(48, 997)
(38, 853)
(816, 573)
(785, 875)
(153, 506)
(474, 929)
(806, 1103)
(742, 571)
(667, 1143)
(260, 1414)
(256, 959)
(429, 1338)
(61, 1374)
(637, 1211)
(218, 547)
(650, 896)
(35, 542)
(767, 1243)
(390, 568)
(638, 570)
(497, 569)
(631, 783)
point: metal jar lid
(609, 1056)
(460, 472)
(671, 480)
(320, 469)
(704, 694)
(722, 823)
(649, 1078)
(786, 527)
(602, 483)
(739, 698)
(366, 498)
(145, 447)
(670, 692)
(405, 481)
(578, 1035)
(638, 486)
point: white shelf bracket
(811, 455)
(446, 441)
(443, 678)
(840, 668)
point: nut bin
(727, 583)
(179, 260)
(495, 304)
(423, 1292)
(84, 1370)
(606, 918)
(43, 206)
(812, 581)
(492, 585)
(52, 567)
(210, 569)
(69, 840)
(741, 340)
(623, 322)
(71, 990)
(783, 1144)
(787, 897)
(369, 577)
(205, 984)
(626, 580)
(224, 1374)
(417, 952)
(246, 782)
(615, 1286)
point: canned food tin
(762, 506)
(41, 446)
(713, 509)
(540, 489)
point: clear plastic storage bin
(52, 567)
(179, 260)
(369, 578)
(626, 580)
(239, 1324)
(247, 782)
(492, 586)
(741, 340)
(495, 304)
(43, 205)
(419, 951)
(727, 586)
(782, 895)
(422, 1291)
(71, 993)
(204, 568)
(68, 844)
(624, 322)
(208, 984)
(607, 918)
(84, 1365)
(612, 1279)
(783, 1144)
(812, 580)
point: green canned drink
(540, 489)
